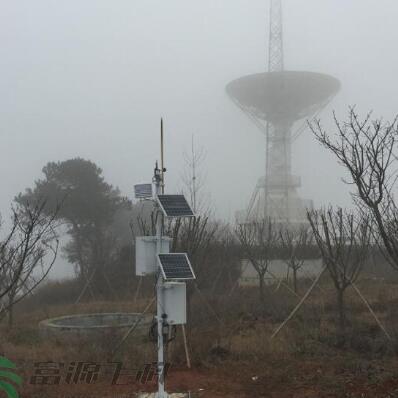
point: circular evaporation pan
(283, 97)
(96, 322)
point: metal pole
(159, 184)
(161, 155)
(159, 294)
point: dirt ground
(332, 377)
(300, 380)
(303, 362)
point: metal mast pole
(162, 169)
(159, 189)
(159, 291)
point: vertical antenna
(193, 176)
(161, 155)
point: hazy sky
(91, 79)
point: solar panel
(175, 266)
(143, 191)
(175, 206)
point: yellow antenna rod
(161, 154)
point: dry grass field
(231, 351)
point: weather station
(171, 270)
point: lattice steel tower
(275, 44)
(274, 101)
(276, 151)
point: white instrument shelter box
(146, 262)
(174, 302)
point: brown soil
(300, 379)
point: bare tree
(258, 240)
(295, 243)
(195, 236)
(343, 240)
(366, 148)
(223, 269)
(193, 179)
(27, 254)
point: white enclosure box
(145, 254)
(174, 302)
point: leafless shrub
(258, 240)
(27, 254)
(295, 243)
(343, 240)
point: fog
(93, 78)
